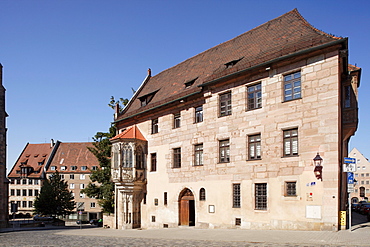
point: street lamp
(318, 167)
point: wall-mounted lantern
(318, 167)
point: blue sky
(63, 60)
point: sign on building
(349, 165)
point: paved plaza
(93, 236)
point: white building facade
(227, 138)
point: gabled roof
(285, 35)
(73, 154)
(130, 133)
(34, 156)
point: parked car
(358, 206)
(354, 205)
(365, 208)
(38, 217)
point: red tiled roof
(73, 154)
(282, 36)
(28, 158)
(130, 133)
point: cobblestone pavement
(49, 238)
(92, 236)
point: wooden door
(184, 212)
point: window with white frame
(254, 147)
(292, 86)
(71, 186)
(291, 142)
(254, 97)
(82, 176)
(198, 154)
(225, 104)
(224, 151)
(199, 114)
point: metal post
(79, 212)
(13, 220)
(349, 211)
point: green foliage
(101, 186)
(54, 198)
(121, 102)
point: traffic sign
(350, 178)
(349, 167)
(350, 188)
(349, 160)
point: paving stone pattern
(184, 237)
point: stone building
(249, 134)
(362, 176)
(3, 180)
(28, 173)
(75, 162)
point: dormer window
(190, 83)
(24, 162)
(233, 62)
(145, 99)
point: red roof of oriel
(130, 133)
(281, 36)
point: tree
(104, 190)
(54, 199)
(101, 186)
(121, 102)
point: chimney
(52, 143)
(149, 72)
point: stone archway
(186, 208)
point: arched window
(139, 158)
(127, 156)
(202, 194)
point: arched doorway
(186, 208)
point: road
(93, 236)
